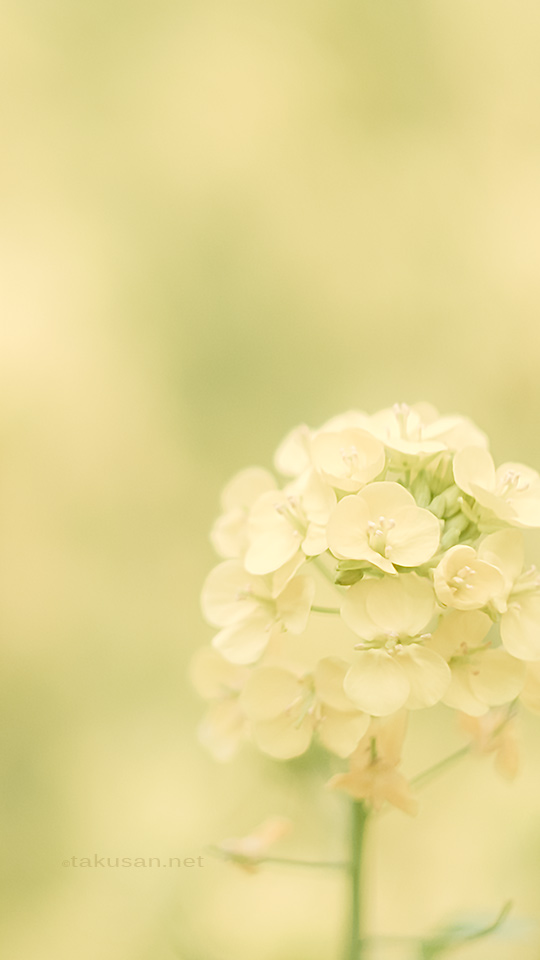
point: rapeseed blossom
(384, 572)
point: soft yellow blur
(220, 219)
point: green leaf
(458, 934)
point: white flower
(285, 709)
(283, 522)
(519, 600)
(392, 670)
(249, 608)
(463, 581)
(229, 533)
(482, 675)
(511, 492)
(383, 526)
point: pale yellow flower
(463, 581)
(383, 526)
(229, 533)
(340, 724)
(511, 492)
(249, 608)
(348, 458)
(295, 453)
(390, 513)
(373, 775)
(519, 600)
(393, 666)
(420, 431)
(482, 675)
(276, 702)
(284, 522)
(285, 710)
(224, 726)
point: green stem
(242, 859)
(319, 864)
(422, 778)
(354, 948)
(334, 610)
(317, 562)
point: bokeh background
(220, 219)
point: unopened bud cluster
(385, 573)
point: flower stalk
(355, 941)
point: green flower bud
(421, 490)
(453, 530)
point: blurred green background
(220, 219)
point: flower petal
(474, 465)
(390, 733)
(294, 604)
(376, 683)
(465, 582)
(348, 458)
(428, 675)
(401, 605)
(340, 732)
(246, 487)
(314, 542)
(245, 641)
(213, 676)
(415, 537)
(269, 692)
(318, 498)
(527, 511)
(354, 610)
(270, 549)
(223, 729)
(459, 629)
(497, 678)
(284, 737)
(229, 593)
(520, 628)
(459, 694)
(229, 533)
(329, 676)
(385, 498)
(347, 529)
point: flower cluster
(385, 573)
